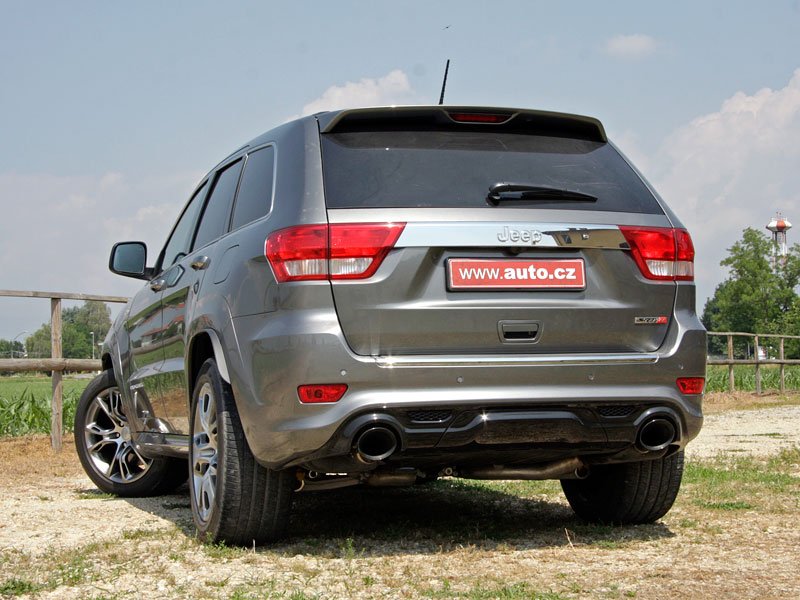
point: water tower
(779, 226)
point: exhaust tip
(375, 444)
(656, 434)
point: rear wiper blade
(500, 192)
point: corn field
(25, 404)
(745, 378)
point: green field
(744, 377)
(25, 403)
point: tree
(78, 323)
(9, 348)
(758, 294)
(92, 316)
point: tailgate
(576, 291)
(511, 240)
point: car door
(183, 281)
(145, 353)
(145, 326)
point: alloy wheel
(204, 452)
(107, 436)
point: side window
(255, 191)
(214, 222)
(181, 238)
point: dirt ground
(61, 538)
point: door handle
(157, 285)
(201, 263)
(518, 332)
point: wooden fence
(56, 363)
(757, 360)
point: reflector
(318, 393)
(691, 385)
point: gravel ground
(759, 432)
(62, 539)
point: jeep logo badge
(524, 236)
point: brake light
(661, 253)
(478, 118)
(691, 385)
(316, 394)
(326, 252)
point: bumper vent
(615, 411)
(429, 416)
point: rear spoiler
(463, 118)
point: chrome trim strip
(401, 362)
(551, 217)
(509, 234)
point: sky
(111, 112)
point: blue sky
(111, 112)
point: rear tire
(234, 499)
(108, 454)
(626, 493)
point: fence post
(730, 365)
(56, 423)
(758, 366)
(783, 375)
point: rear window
(450, 169)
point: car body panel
(403, 341)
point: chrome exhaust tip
(656, 434)
(375, 444)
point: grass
(516, 591)
(736, 483)
(25, 403)
(18, 587)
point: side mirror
(130, 260)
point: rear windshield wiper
(501, 192)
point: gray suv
(385, 296)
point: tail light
(662, 253)
(327, 392)
(338, 251)
(691, 385)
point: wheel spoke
(101, 404)
(95, 429)
(94, 448)
(115, 401)
(110, 472)
(131, 462)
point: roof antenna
(444, 82)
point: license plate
(513, 274)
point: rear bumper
(529, 408)
(492, 436)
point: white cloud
(630, 47)
(392, 88)
(57, 231)
(732, 169)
